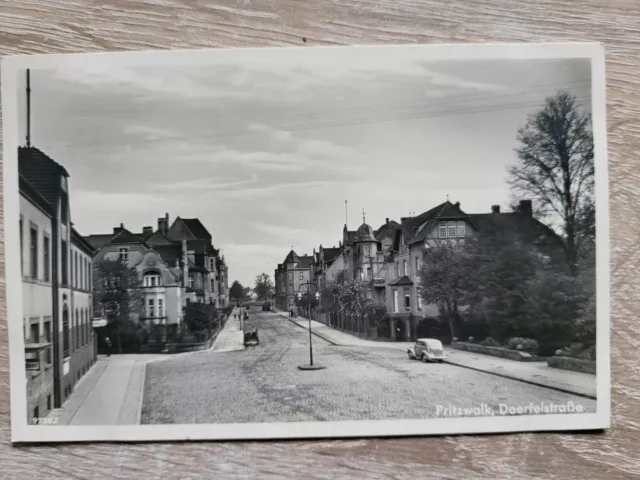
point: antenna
(346, 214)
(28, 107)
(447, 198)
(363, 216)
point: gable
(179, 231)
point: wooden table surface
(63, 26)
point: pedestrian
(107, 342)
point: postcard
(306, 242)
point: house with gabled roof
(446, 222)
(292, 277)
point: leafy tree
(236, 291)
(443, 281)
(304, 301)
(556, 168)
(263, 286)
(200, 316)
(352, 299)
(117, 285)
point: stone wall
(517, 355)
(573, 364)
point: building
(292, 277)
(57, 288)
(176, 263)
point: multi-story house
(323, 260)
(292, 277)
(56, 274)
(445, 222)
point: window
(290, 288)
(152, 279)
(417, 265)
(21, 246)
(301, 277)
(160, 308)
(65, 333)
(65, 263)
(451, 229)
(48, 402)
(46, 250)
(76, 279)
(35, 332)
(367, 250)
(291, 276)
(47, 338)
(33, 239)
(407, 300)
(213, 284)
(419, 302)
(123, 254)
(397, 269)
(395, 299)
(192, 282)
(151, 309)
(77, 329)
(404, 268)
(461, 229)
(442, 229)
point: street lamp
(311, 366)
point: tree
(117, 291)
(236, 291)
(200, 316)
(443, 280)
(304, 301)
(556, 168)
(263, 286)
(352, 299)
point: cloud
(206, 184)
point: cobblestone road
(263, 383)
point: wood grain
(57, 26)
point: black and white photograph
(306, 242)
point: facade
(390, 258)
(57, 292)
(292, 277)
(176, 264)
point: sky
(265, 148)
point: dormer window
(451, 229)
(123, 254)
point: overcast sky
(266, 151)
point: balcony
(379, 282)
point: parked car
(266, 307)
(427, 350)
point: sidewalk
(536, 373)
(231, 337)
(109, 394)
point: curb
(530, 382)
(313, 332)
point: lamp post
(311, 366)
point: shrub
(490, 342)
(528, 345)
(578, 350)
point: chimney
(147, 231)
(525, 208)
(118, 229)
(387, 220)
(495, 208)
(339, 244)
(457, 204)
(162, 225)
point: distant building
(177, 264)
(292, 277)
(57, 287)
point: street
(264, 384)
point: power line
(480, 109)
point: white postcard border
(21, 432)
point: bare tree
(263, 286)
(556, 168)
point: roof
(330, 254)
(365, 234)
(31, 193)
(42, 172)
(404, 280)
(524, 225)
(80, 242)
(169, 253)
(305, 261)
(416, 229)
(197, 228)
(98, 241)
(124, 236)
